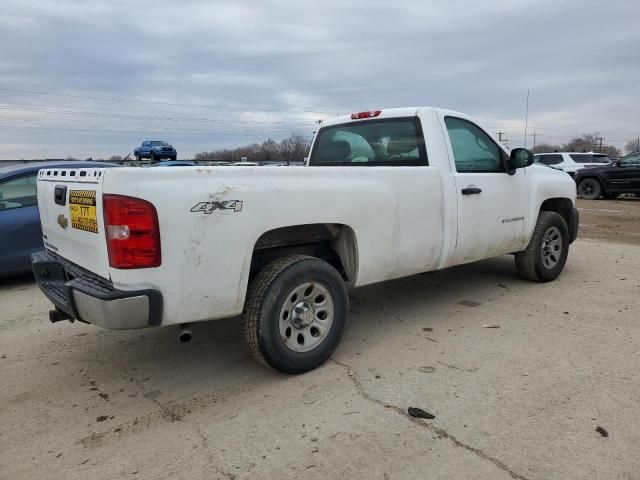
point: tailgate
(70, 204)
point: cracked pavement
(521, 401)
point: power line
(23, 108)
(110, 129)
(152, 102)
(150, 131)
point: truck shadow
(145, 378)
(16, 281)
(216, 355)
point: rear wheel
(295, 312)
(544, 258)
(589, 188)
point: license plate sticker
(82, 207)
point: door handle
(471, 191)
(60, 195)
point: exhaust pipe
(185, 333)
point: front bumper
(574, 223)
(89, 298)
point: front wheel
(589, 189)
(544, 258)
(295, 312)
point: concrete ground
(521, 401)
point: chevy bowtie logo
(62, 221)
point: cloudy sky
(82, 78)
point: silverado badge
(62, 221)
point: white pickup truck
(384, 194)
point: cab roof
(391, 113)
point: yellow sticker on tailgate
(82, 207)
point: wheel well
(591, 177)
(335, 243)
(563, 206)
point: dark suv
(622, 176)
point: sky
(95, 79)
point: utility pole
(600, 149)
(534, 135)
(526, 120)
(500, 134)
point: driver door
(493, 206)
(627, 176)
(20, 231)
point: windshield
(156, 143)
(631, 159)
(396, 141)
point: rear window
(393, 142)
(18, 192)
(589, 158)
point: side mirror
(519, 158)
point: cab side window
(473, 149)
(18, 192)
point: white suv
(571, 162)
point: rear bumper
(89, 298)
(574, 223)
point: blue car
(155, 150)
(20, 231)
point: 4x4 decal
(210, 207)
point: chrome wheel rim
(551, 247)
(306, 316)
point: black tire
(268, 296)
(152, 157)
(531, 263)
(589, 188)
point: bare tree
(546, 148)
(591, 142)
(632, 145)
(587, 142)
(269, 150)
(611, 151)
(294, 148)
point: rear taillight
(133, 235)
